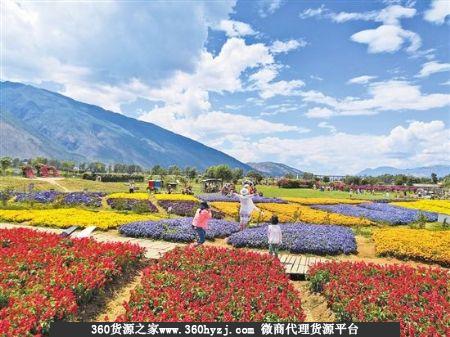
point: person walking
(200, 222)
(274, 236)
(246, 207)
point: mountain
(37, 122)
(274, 169)
(440, 170)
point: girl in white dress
(246, 207)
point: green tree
(434, 178)
(255, 176)
(223, 172)
(174, 170)
(238, 173)
(5, 163)
(326, 179)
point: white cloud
(235, 28)
(391, 95)
(361, 79)
(268, 7)
(284, 47)
(315, 77)
(326, 125)
(433, 67)
(313, 12)
(438, 12)
(388, 39)
(413, 145)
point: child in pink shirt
(200, 222)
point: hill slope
(274, 169)
(37, 122)
(440, 170)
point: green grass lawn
(273, 191)
(21, 184)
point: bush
(113, 177)
(293, 183)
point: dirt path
(113, 306)
(314, 305)
(54, 182)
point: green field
(273, 191)
(77, 184)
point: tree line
(223, 172)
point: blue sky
(330, 87)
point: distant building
(332, 178)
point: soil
(314, 305)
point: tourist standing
(200, 222)
(246, 206)
(274, 236)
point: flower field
(301, 238)
(43, 197)
(419, 244)
(178, 230)
(418, 298)
(214, 285)
(307, 214)
(380, 212)
(291, 213)
(44, 277)
(66, 217)
(179, 207)
(438, 206)
(90, 199)
(212, 197)
(136, 196)
(176, 197)
(324, 201)
(132, 204)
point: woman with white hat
(247, 206)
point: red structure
(48, 171)
(27, 172)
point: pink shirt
(201, 218)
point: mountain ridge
(423, 171)
(274, 169)
(39, 122)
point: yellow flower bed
(232, 209)
(420, 244)
(438, 206)
(323, 201)
(66, 217)
(175, 197)
(137, 196)
(307, 214)
(292, 212)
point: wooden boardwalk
(299, 264)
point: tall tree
(5, 163)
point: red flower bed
(44, 277)
(417, 297)
(211, 284)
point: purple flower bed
(91, 199)
(178, 230)
(301, 238)
(132, 204)
(43, 197)
(211, 197)
(379, 212)
(179, 207)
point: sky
(330, 87)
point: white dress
(247, 207)
(274, 234)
